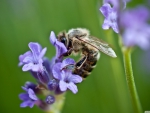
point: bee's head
(62, 38)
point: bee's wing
(100, 45)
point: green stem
(130, 80)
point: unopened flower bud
(50, 99)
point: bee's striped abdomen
(88, 65)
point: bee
(79, 40)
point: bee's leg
(79, 64)
(67, 53)
(70, 67)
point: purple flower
(136, 31)
(111, 17)
(117, 3)
(134, 17)
(60, 47)
(67, 80)
(29, 98)
(31, 86)
(32, 60)
(138, 36)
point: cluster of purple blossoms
(132, 24)
(52, 76)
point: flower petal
(60, 49)
(27, 103)
(35, 48)
(106, 24)
(24, 88)
(24, 96)
(42, 53)
(47, 64)
(27, 67)
(105, 10)
(66, 62)
(72, 87)
(22, 57)
(137, 17)
(75, 78)
(37, 67)
(28, 59)
(32, 94)
(111, 17)
(63, 85)
(56, 71)
(115, 27)
(52, 38)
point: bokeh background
(104, 91)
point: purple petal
(143, 43)
(65, 74)
(115, 27)
(106, 24)
(66, 62)
(21, 57)
(24, 88)
(27, 67)
(111, 17)
(137, 17)
(35, 48)
(24, 96)
(75, 79)
(28, 59)
(72, 87)
(52, 38)
(35, 67)
(34, 74)
(60, 49)
(63, 85)
(42, 53)
(114, 3)
(52, 62)
(38, 67)
(117, 3)
(142, 13)
(47, 64)
(105, 10)
(32, 94)
(56, 71)
(31, 85)
(140, 37)
(27, 103)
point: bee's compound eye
(64, 40)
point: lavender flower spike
(137, 30)
(67, 80)
(117, 3)
(29, 98)
(111, 17)
(60, 47)
(32, 60)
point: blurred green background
(104, 91)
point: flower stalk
(130, 80)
